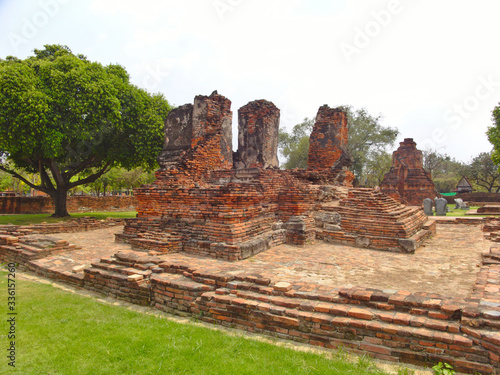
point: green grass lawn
(458, 212)
(26, 219)
(58, 332)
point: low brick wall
(418, 328)
(474, 197)
(42, 205)
(74, 225)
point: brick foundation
(203, 204)
(45, 205)
(419, 328)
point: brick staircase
(124, 275)
(30, 247)
(150, 234)
(492, 256)
(372, 219)
(419, 328)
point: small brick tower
(407, 180)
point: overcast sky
(430, 68)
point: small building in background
(464, 186)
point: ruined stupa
(210, 201)
(407, 180)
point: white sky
(431, 68)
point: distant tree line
(116, 181)
(369, 143)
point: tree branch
(54, 169)
(44, 177)
(23, 179)
(74, 169)
(91, 178)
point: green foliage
(64, 333)
(483, 172)
(119, 179)
(445, 171)
(405, 371)
(295, 146)
(63, 116)
(376, 167)
(5, 181)
(443, 369)
(367, 138)
(367, 144)
(493, 134)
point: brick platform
(396, 325)
(206, 202)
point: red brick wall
(475, 197)
(34, 205)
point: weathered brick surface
(40, 205)
(328, 151)
(407, 180)
(201, 204)
(257, 135)
(231, 220)
(368, 218)
(418, 328)
(73, 225)
(478, 198)
(198, 137)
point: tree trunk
(60, 197)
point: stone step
(349, 310)
(418, 304)
(16, 252)
(319, 321)
(112, 268)
(493, 255)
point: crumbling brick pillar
(328, 141)
(258, 124)
(178, 132)
(212, 118)
(198, 137)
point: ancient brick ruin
(407, 181)
(210, 202)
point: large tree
(493, 134)
(445, 171)
(70, 120)
(367, 141)
(484, 172)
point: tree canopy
(71, 120)
(484, 172)
(367, 137)
(445, 171)
(367, 143)
(295, 145)
(494, 135)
